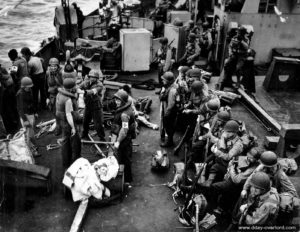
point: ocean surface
(30, 23)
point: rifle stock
(177, 148)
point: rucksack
(288, 203)
(160, 161)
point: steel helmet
(224, 116)
(213, 104)
(178, 22)
(168, 76)
(196, 72)
(94, 73)
(242, 30)
(26, 82)
(192, 36)
(184, 69)
(268, 158)
(164, 40)
(69, 83)
(261, 180)
(197, 86)
(231, 126)
(121, 95)
(53, 61)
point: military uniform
(164, 55)
(93, 107)
(66, 103)
(192, 52)
(238, 48)
(123, 127)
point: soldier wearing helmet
(93, 90)
(192, 51)
(206, 41)
(164, 58)
(228, 147)
(168, 108)
(54, 81)
(262, 204)
(227, 191)
(280, 180)
(68, 118)
(238, 48)
(26, 108)
(123, 131)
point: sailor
(225, 149)
(123, 131)
(26, 108)
(238, 48)
(169, 109)
(36, 73)
(192, 51)
(164, 56)
(18, 69)
(93, 90)
(54, 81)
(262, 204)
(67, 114)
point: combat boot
(168, 143)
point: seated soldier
(230, 188)
(192, 51)
(225, 149)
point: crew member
(67, 114)
(123, 131)
(93, 90)
(18, 69)
(36, 73)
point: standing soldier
(67, 115)
(26, 108)
(238, 48)
(93, 94)
(54, 81)
(192, 51)
(123, 131)
(164, 56)
(168, 107)
(18, 69)
(36, 73)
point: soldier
(206, 42)
(237, 173)
(192, 51)
(168, 107)
(164, 56)
(54, 81)
(36, 73)
(191, 28)
(238, 48)
(18, 69)
(123, 131)
(262, 204)
(93, 91)
(26, 108)
(280, 180)
(225, 149)
(68, 117)
(206, 115)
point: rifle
(162, 128)
(177, 148)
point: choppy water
(30, 23)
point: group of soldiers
(32, 88)
(235, 175)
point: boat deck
(284, 107)
(145, 208)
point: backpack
(289, 166)
(160, 161)
(288, 203)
